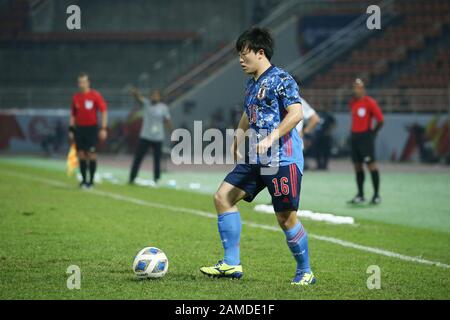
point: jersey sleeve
(101, 104)
(287, 91)
(376, 110)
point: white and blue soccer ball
(150, 262)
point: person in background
(156, 118)
(83, 128)
(53, 138)
(363, 110)
(323, 139)
(312, 119)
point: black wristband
(72, 129)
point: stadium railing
(282, 13)
(224, 53)
(340, 42)
(391, 100)
(423, 100)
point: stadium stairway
(281, 12)
(378, 59)
(432, 68)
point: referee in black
(364, 109)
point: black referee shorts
(363, 147)
(86, 138)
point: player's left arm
(312, 123)
(168, 120)
(310, 115)
(293, 117)
(288, 92)
(378, 114)
(103, 134)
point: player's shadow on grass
(172, 276)
(186, 277)
(143, 280)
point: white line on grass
(205, 214)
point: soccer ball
(150, 262)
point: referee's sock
(360, 182)
(375, 181)
(83, 167)
(92, 168)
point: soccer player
(364, 109)
(272, 110)
(156, 117)
(83, 127)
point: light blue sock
(230, 233)
(297, 241)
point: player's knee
(284, 223)
(220, 200)
(287, 220)
(372, 166)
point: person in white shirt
(156, 118)
(312, 119)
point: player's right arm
(137, 95)
(239, 136)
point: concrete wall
(25, 130)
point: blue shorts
(283, 185)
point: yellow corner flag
(72, 160)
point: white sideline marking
(205, 214)
(316, 216)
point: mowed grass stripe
(205, 214)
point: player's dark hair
(256, 39)
(154, 90)
(83, 74)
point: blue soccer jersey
(265, 104)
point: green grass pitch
(48, 224)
